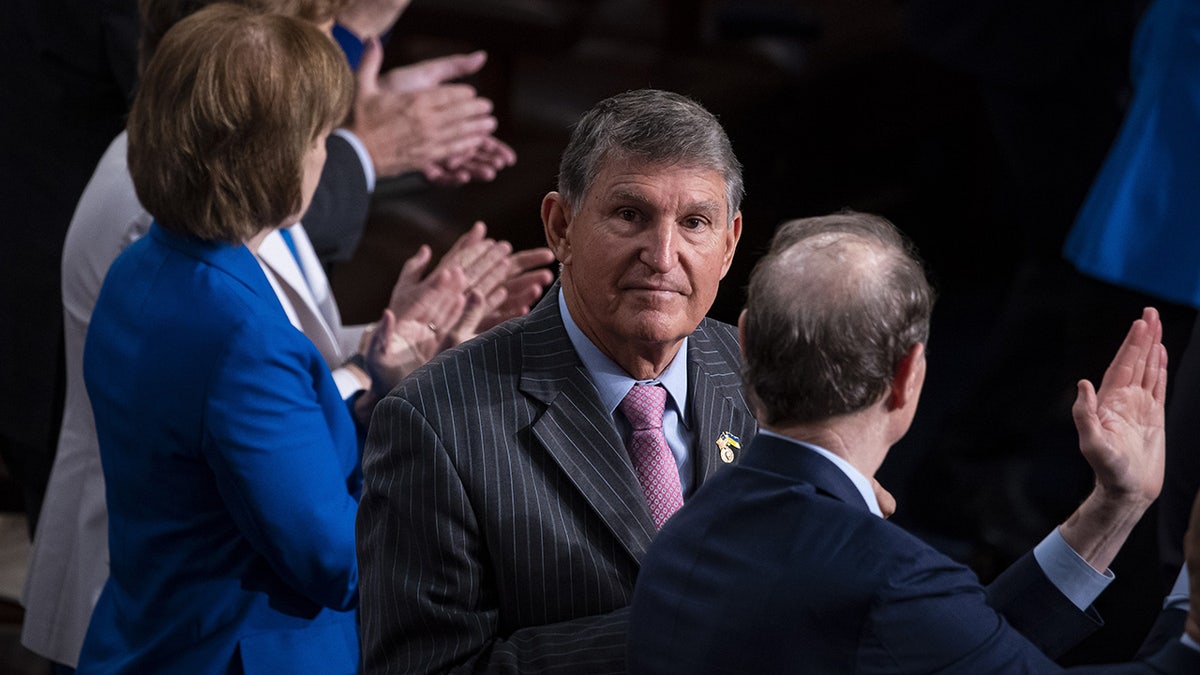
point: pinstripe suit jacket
(502, 526)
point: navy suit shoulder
(777, 563)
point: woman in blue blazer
(230, 459)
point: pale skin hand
(887, 503)
(527, 280)
(480, 163)
(491, 285)
(371, 18)
(1121, 436)
(410, 130)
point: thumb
(1083, 411)
(414, 267)
(455, 66)
(367, 76)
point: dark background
(975, 125)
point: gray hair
(652, 126)
(832, 309)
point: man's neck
(852, 437)
(642, 360)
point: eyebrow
(705, 206)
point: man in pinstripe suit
(502, 524)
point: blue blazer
(231, 470)
(777, 566)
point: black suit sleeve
(338, 213)
(428, 597)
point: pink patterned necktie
(652, 459)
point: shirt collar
(860, 481)
(613, 383)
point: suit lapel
(577, 433)
(717, 407)
(283, 267)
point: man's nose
(658, 249)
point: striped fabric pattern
(502, 525)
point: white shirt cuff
(1069, 572)
(347, 383)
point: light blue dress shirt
(613, 383)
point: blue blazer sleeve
(268, 442)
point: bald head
(833, 308)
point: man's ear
(555, 221)
(908, 379)
(733, 233)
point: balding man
(782, 563)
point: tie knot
(643, 406)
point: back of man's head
(653, 127)
(832, 309)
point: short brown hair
(227, 109)
(157, 16)
(832, 309)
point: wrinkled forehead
(664, 171)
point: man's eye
(627, 214)
(694, 223)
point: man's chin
(657, 326)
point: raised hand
(1121, 425)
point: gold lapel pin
(727, 443)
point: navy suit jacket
(777, 566)
(502, 525)
(231, 471)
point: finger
(1151, 317)
(491, 269)
(462, 129)
(531, 258)
(436, 71)
(414, 267)
(473, 311)
(1160, 385)
(438, 299)
(367, 76)
(469, 239)
(529, 286)
(472, 257)
(382, 335)
(451, 96)
(501, 151)
(1128, 365)
(887, 502)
